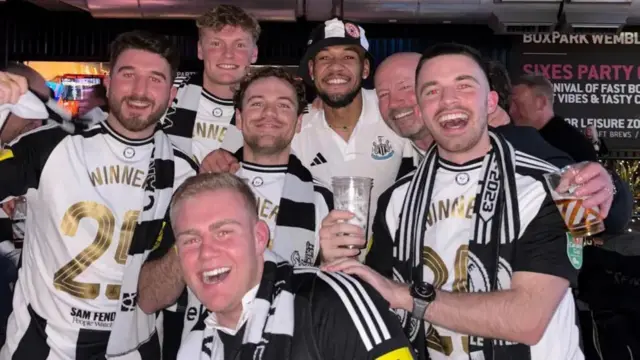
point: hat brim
(303, 68)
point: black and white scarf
(496, 223)
(133, 330)
(295, 235)
(180, 119)
(269, 329)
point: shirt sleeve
(21, 162)
(546, 247)
(352, 321)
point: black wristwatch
(423, 295)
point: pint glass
(353, 194)
(581, 221)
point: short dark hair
(500, 83)
(143, 40)
(452, 49)
(229, 15)
(271, 71)
(540, 85)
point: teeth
(228, 66)
(337, 81)
(402, 115)
(216, 272)
(454, 116)
(138, 103)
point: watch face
(423, 290)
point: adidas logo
(318, 160)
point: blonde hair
(229, 15)
(210, 182)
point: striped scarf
(495, 220)
(270, 323)
(133, 330)
(295, 238)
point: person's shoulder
(43, 137)
(399, 187)
(330, 291)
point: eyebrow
(154, 72)
(288, 99)
(215, 226)
(458, 78)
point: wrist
(406, 300)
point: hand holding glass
(353, 194)
(581, 221)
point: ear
(541, 102)
(172, 95)
(261, 234)
(238, 119)
(254, 54)
(107, 82)
(200, 51)
(366, 68)
(299, 124)
(492, 102)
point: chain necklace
(342, 127)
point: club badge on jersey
(381, 149)
(575, 250)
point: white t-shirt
(447, 262)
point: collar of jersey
(123, 139)
(453, 167)
(212, 320)
(218, 100)
(369, 115)
(264, 168)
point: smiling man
(467, 272)
(203, 114)
(262, 307)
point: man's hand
(336, 234)
(220, 161)
(395, 293)
(595, 185)
(11, 88)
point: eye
(407, 87)
(255, 104)
(241, 45)
(127, 75)
(383, 94)
(284, 106)
(215, 43)
(221, 234)
(464, 86)
(190, 241)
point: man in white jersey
(270, 104)
(203, 114)
(97, 200)
(471, 271)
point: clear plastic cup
(353, 194)
(581, 221)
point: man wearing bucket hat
(347, 136)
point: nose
(449, 96)
(227, 52)
(396, 100)
(139, 86)
(269, 110)
(209, 248)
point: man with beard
(202, 116)
(487, 279)
(347, 137)
(97, 200)
(270, 106)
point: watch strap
(419, 308)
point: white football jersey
(446, 257)
(84, 194)
(214, 118)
